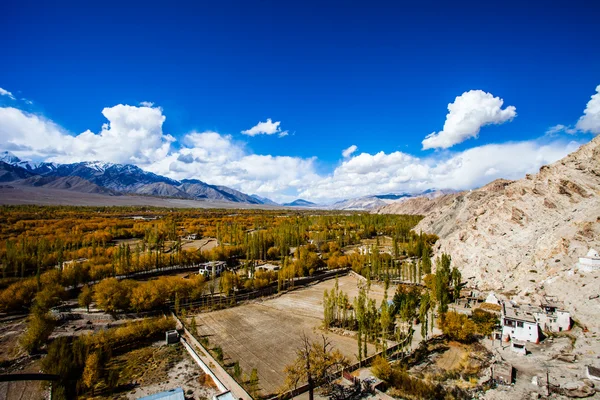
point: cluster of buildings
(519, 323)
(525, 323)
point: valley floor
(265, 334)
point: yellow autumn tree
(91, 371)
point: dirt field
(264, 335)
(159, 368)
(202, 244)
(14, 360)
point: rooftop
(551, 302)
(173, 394)
(521, 313)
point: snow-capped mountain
(113, 179)
(10, 158)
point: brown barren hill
(522, 236)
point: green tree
(424, 314)
(456, 278)
(442, 281)
(426, 260)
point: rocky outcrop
(515, 235)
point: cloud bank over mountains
(134, 135)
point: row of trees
(112, 295)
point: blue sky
(375, 75)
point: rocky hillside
(517, 236)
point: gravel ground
(265, 334)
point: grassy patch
(147, 366)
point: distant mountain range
(300, 203)
(381, 200)
(112, 179)
(125, 179)
(264, 200)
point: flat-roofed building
(553, 317)
(173, 394)
(518, 322)
(212, 268)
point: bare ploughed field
(265, 334)
(201, 244)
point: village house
(553, 317)
(525, 322)
(214, 268)
(70, 263)
(518, 322)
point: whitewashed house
(589, 263)
(553, 317)
(212, 268)
(519, 323)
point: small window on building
(519, 324)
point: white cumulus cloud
(379, 173)
(132, 135)
(553, 130)
(466, 115)
(4, 92)
(266, 128)
(135, 135)
(349, 151)
(590, 120)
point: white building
(591, 262)
(492, 299)
(268, 267)
(518, 347)
(553, 317)
(214, 268)
(519, 323)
